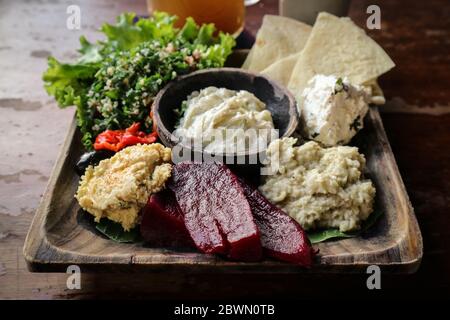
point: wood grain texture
(415, 35)
(56, 239)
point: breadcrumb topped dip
(117, 188)
(319, 187)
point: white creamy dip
(225, 120)
(332, 110)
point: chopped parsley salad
(113, 82)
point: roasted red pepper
(116, 140)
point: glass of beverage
(228, 15)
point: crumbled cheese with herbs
(332, 110)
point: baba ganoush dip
(332, 110)
(221, 121)
(319, 187)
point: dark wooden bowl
(279, 101)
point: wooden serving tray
(58, 237)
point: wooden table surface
(416, 34)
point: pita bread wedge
(338, 47)
(248, 60)
(277, 38)
(375, 92)
(281, 70)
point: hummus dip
(119, 187)
(220, 120)
(319, 187)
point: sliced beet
(162, 222)
(281, 236)
(216, 211)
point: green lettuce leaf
(66, 81)
(126, 34)
(327, 234)
(206, 34)
(214, 56)
(90, 52)
(115, 232)
(189, 31)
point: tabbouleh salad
(114, 82)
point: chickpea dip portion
(319, 187)
(119, 187)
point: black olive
(91, 158)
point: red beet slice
(216, 211)
(162, 222)
(281, 236)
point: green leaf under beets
(327, 234)
(115, 232)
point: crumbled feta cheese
(332, 110)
